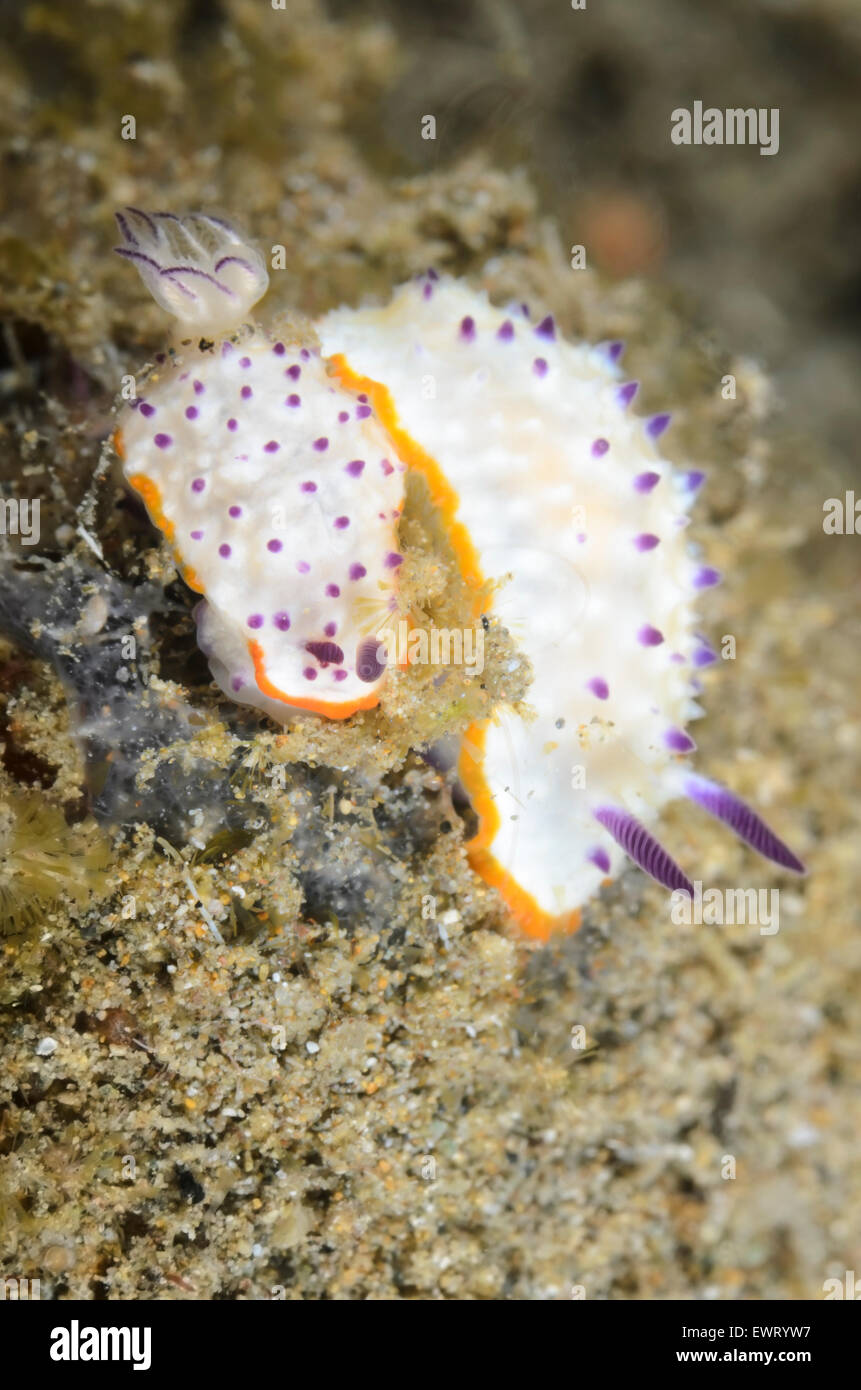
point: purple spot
(506, 331)
(198, 484)
(357, 571)
(224, 550)
(539, 366)
(678, 741)
(245, 361)
(355, 467)
(309, 673)
(706, 577)
(370, 660)
(226, 349)
(272, 447)
(646, 541)
(467, 329)
(282, 621)
(341, 522)
(302, 566)
(237, 683)
(293, 372)
(163, 441)
(146, 409)
(343, 416)
(256, 620)
(600, 858)
(305, 355)
(327, 653)
(393, 559)
(321, 444)
(232, 425)
(598, 687)
(600, 447)
(650, 636)
(279, 349)
(293, 401)
(362, 412)
(197, 535)
(644, 482)
(546, 328)
(656, 426)
(340, 675)
(234, 510)
(333, 591)
(309, 487)
(274, 546)
(199, 388)
(626, 393)
(386, 467)
(246, 393)
(363, 398)
(330, 629)
(191, 412)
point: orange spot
(332, 710)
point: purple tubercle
(727, 807)
(641, 846)
(163, 441)
(467, 329)
(293, 400)
(235, 510)
(393, 559)
(646, 541)
(198, 484)
(355, 467)
(256, 620)
(272, 446)
(245, 362)
(309, 673)
(657, 424)
(327, 653)
(626, 393)
(649, 636)
(294, 372)
(224, 551)
(341, 523)
(233, 424)
(369, 667)
(644, 482)
(598, 687)
(321, 444)
(274, 545)
(599, 448)
(600, 858)
(197, 535)
(614, 350)
(246, 393)
(340, 675)
(357, 572)
(332, 591)
(546, 328)
(704, 655)
(282, 621)
(146, 409)
(305, 355)
(678, 741)
(363, 411)
(343, 416)
(693, 479)
(505, 332)
(330, 629)
(191, 412)
(706, 577)
(309, 487)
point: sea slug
(542, 473)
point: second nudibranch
(277, 474)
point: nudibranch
(277, 475)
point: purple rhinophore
(327, 653)
(727, 807)
(626, 393)
(256, 620)
(370, 660)
(163, 441)
(546, 328)
(657, 424)
(599, 448)
(647, 852)
(704, 655)
(505, 332)
(600, 858)
(354, 467)
(274, 545)
(539, 366)
(706, 577)
(357, 571)
(599, 687)
(198, 484)
(644, 482)
(678, 741)
(386, 467)
(646, 541)
(650, 636)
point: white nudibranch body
(277, 475)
